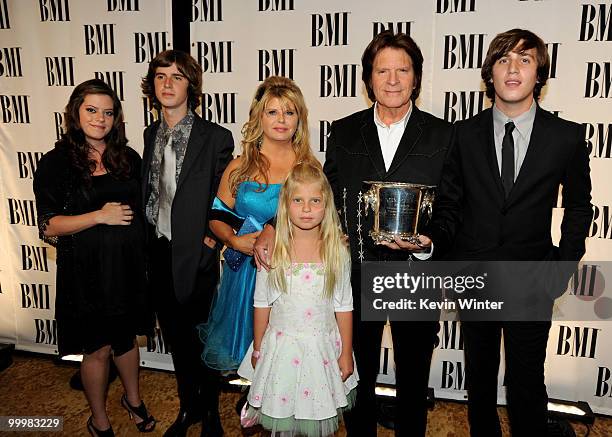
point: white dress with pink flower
(296, 386)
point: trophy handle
(370, 200)
(427, 204)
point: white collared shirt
(390, 136)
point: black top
(101, 270)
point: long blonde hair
(333, 252)
(254, 165)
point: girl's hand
(244, 243)
(114, 213)
(345, 362)
(255, 357)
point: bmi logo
(147, 45)
(35, 296)
(22, 212)
(588, 285)
(219, 107)
(462, 105)
(599, 139)
(395, 27)
(463, 51)
(5, 22)
(46, 331)
(603, 382)
(60, 70)
(275, 62)
(27, 163)
(10, 62)
(602, 221)
(58, 121)
(206, 10)
(123, 5)
(596, 22)
(215, 56)
(598, 80)
(275, 5)
(54, 10)
(147, 112)
(99, 39)
(577, 342)
(338, 80)
(15, 109)
(553, 52)
(451, 336)
(329, 29)
(156, 343)
(453, 375)
(452, 6)
(34, 258)
(324, 131)
(114, 79)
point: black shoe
(95, 432)
(211, 425)
(183, 421)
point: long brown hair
(254, 164)
(115, 157)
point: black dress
(101, 281)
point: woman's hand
(244, 243)
(345, 362)
(115, 213)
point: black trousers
(413, 344)
(197, 385)
(525, 353)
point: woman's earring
(259, 141)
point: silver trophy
(399, 208)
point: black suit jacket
(209, 150)
(354, 155)
(473, 220)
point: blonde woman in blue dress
(274, 138)
(301, 360)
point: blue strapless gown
(229, 330)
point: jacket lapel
(411, 136)
(369, 135)
(537, 145)
(487, 139)
(195, 145)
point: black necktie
(507, 167)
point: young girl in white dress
(301, 363)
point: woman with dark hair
(87, 194)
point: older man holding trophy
(388, 158)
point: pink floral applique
(338, 344)
(306, 393)
(307, 276)
(257, 398)
(325, 362)
(296, 362)
(279, 333)
(308, 314)
(284, 399)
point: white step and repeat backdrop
(47, 46)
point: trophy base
(381, 236)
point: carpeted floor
(35, 386)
